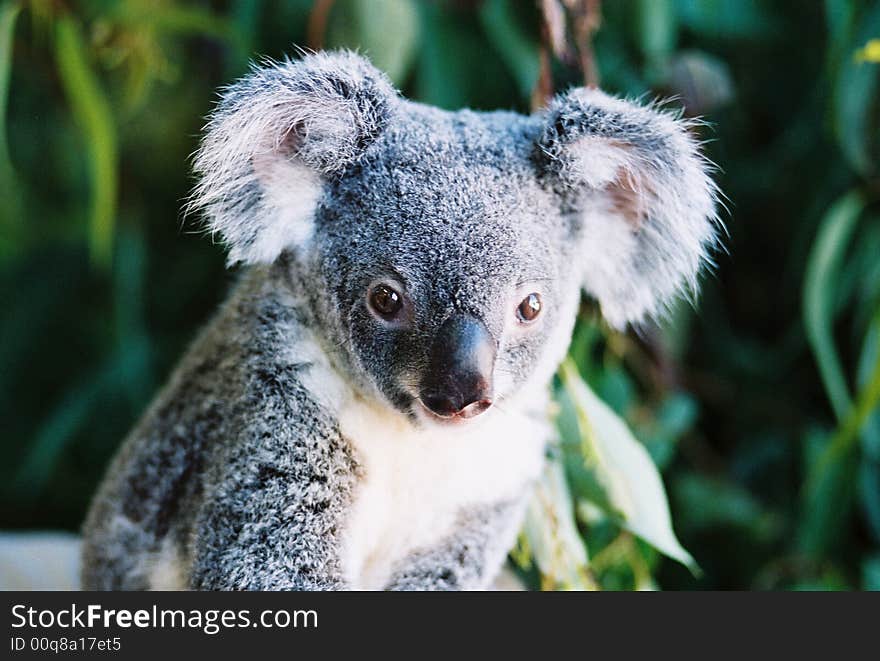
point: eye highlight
(529, 309)
(385, 301)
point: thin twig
(586, 21)
(317, 27)
(560, 20)
(544, 87)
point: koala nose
(458, 381)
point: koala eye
(529, 308)
(386, 302)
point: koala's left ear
(276, 136)
(643, 200)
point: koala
(370, 407)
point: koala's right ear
(275, 136)
(634, 177)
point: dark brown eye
(529, 309)
(385, 301)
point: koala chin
(369, 408)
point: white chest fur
(416, 482)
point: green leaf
(552, 535)
(442, 78)
(869, 469)
(709, 503)
(10, 215)
(855, 98)
(675, 417)
(823, 269)
(455, 69)
(829, 490)
(839, 16)
(93, 115)
(245, 17)
(830, 484)
(62, 422)
(8, 13)
(871, 573)
(616, 388)
(184, 20)
(632, 481)
(869, 494)
(385, 30)
(869, 356)
(517, 48)
(725, 18)
(657, 34)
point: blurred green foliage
(761, 410)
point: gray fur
(217, 468)
(241, 470)
(324, 108)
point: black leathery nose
(458, 380)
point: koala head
(443, 254)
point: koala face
(448, 250)
(444, 254)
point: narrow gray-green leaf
(633, 482)
(188, 20)
(8, 13)
(517, 49)
(823, 268)
(10, 190)
(386, 30)
(830, 484)
(93, 115)
(552, 534)
(657, 34)
(869, 356)
(855, 97)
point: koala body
(369, 408)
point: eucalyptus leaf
(823, 267)
(633, 483)
(830, 485)
(869, 468)
(871, 573)
(855, 97)
(657, 33)
(10, 213)
(552, 534)
(517, 47)
(868, 358)
(8, 13)
(95, 118)
(387, 31)
(730, 19)
(869, 495)
(710, 503)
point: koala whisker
(530, 280)
(496, 404)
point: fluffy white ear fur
(645, 199)
(275, 136)
(291, 191)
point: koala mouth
(448, 417)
